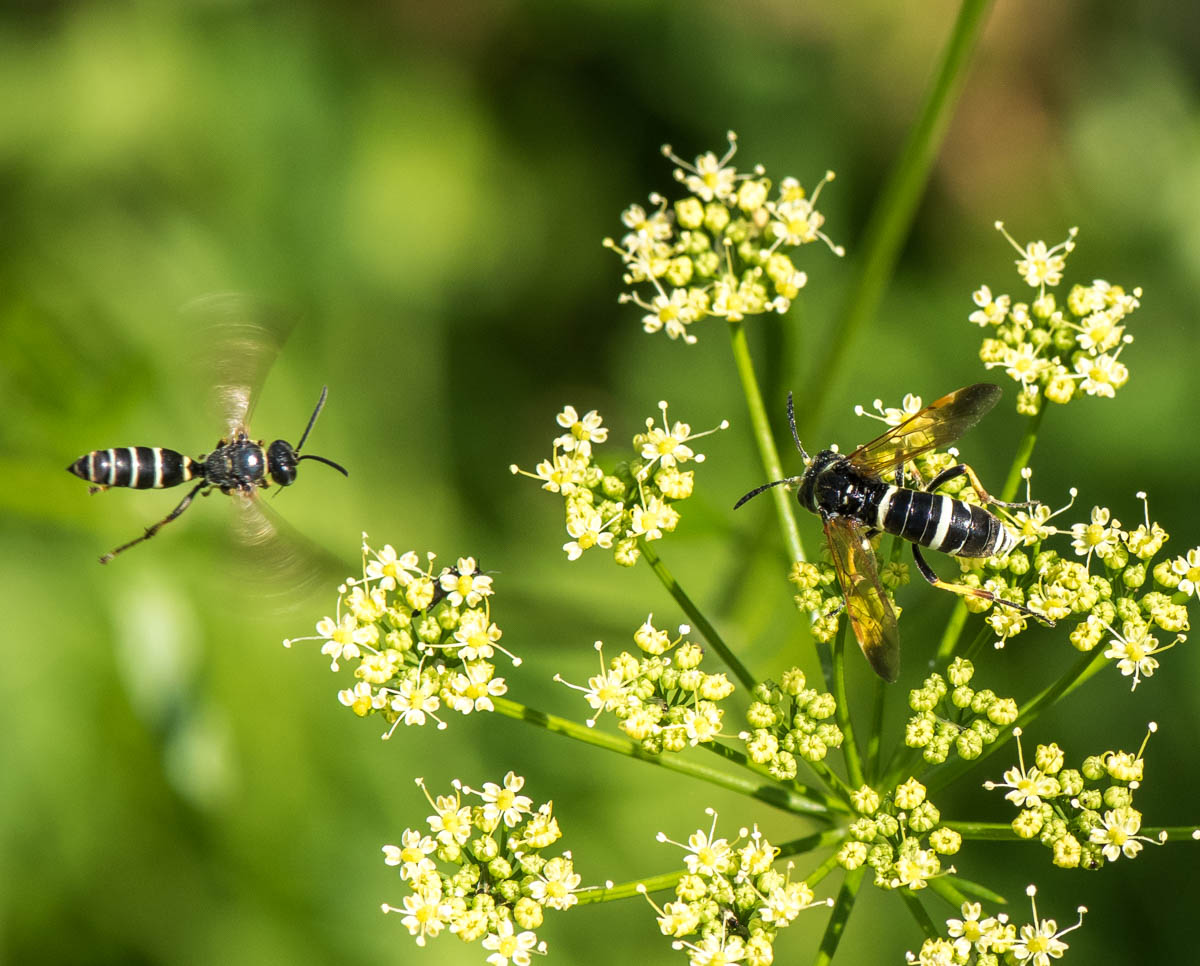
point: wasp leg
(963, 590)
(151, 531)
(959, 469)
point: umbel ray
(855, 502)
(238, 466)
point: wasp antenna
(321, 459)
(316, 413)
(766, 486)
(792, 424)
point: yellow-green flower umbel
(724, 249)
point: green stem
(892, 216)
(874, 742)
(950, 636)
(958, 889)
(1086, 665)
(906, 763)
(769, 792)
(917, 911)
(841, 914)
(767, 452)
(827, 803)
(850, 750)
(699, 621)
(772, 467)
(1177, 832)
(972, 650)
(954, 890)
(822, 870)
(984, 831)
(1023, 453)
(668, 880)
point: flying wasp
(237, 353)
(854, 502)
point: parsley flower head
(731, 898)
(1055, 348)
(660, 697)
(635, 500)
(724, 249)
(1083, 815)
(995, 939)
(423, 641)
(901, 838)
(477, 870)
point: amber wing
(867, 606)
(938, 424)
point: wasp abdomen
(941, 523)
(139, 467)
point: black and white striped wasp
(854, 502)
(239, 353)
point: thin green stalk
(769, 792)
(972, 650)
(905, 763)
(699, 621)
(817, 795)
(810, 843)
(1183, 832)
(954, 625)
(830, 864)
(1087, 664)
(772, 467)
(918, 912)
(831, 778)
(949, 648)
(892, 215)
(767, 452)
(878, 701)
(984, 831)
(1024, 452)
(955, 890)
(841, 914)
(668, 880)
(850, 749)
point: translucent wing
(235, 339)
(867, 606)
(938, 424)
(280, 564)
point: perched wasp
(854, 503)
(240, 352)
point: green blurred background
(426, 185)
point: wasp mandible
(854, 502)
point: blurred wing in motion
(281, 565)
(938, 424)
(867, 606)
(236, 337)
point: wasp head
(282, 460)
